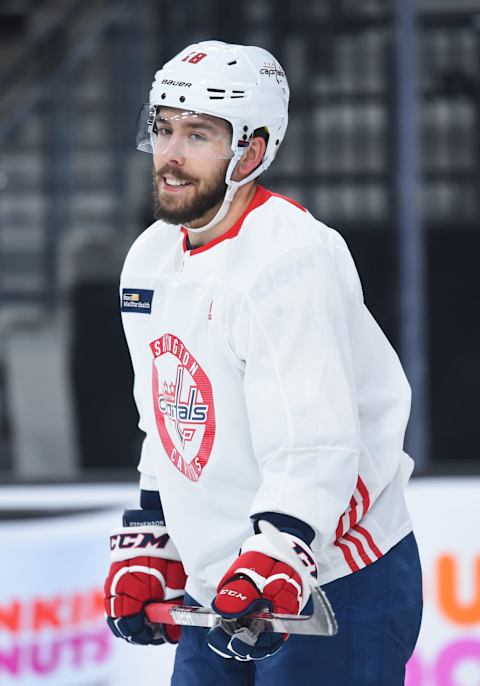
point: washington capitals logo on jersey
(191, 411)
(183, 406)
(137, 300)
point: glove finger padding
(241, 646)
(137, 579)
(132, 583)
(136, 629)
(256, 582)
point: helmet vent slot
(219, 91)
(230, 63)
(221, 94)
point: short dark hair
(262, 132)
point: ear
(251, 158)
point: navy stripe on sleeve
(287, 524)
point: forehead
(191, 118)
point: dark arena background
(383, 144)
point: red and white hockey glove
(259, 580)
(145, 568)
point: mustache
(168, 170)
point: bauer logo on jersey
(183, 406)
(137, 300)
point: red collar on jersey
(261, 196)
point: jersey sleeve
(148, 483)
(293, 335)
(145, 465)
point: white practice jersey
(264, 384)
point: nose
(170, 150)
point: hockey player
(266, 390)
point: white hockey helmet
(244, 85)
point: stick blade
(323, 617)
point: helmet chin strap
(232, 187)
(222, 212)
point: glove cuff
(143, 517)
(259, 543)
(142, 537)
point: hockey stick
(320, 623)
(322, 610)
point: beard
(207, 195)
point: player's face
(191, 156)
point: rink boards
(54, 543)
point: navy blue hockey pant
(378, 610)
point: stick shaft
(184, 615)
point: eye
(162, 130)
(198, 137)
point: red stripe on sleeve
(348, 556)
(360, 548)
(365, 495)
(371, 543)
(353, 512)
